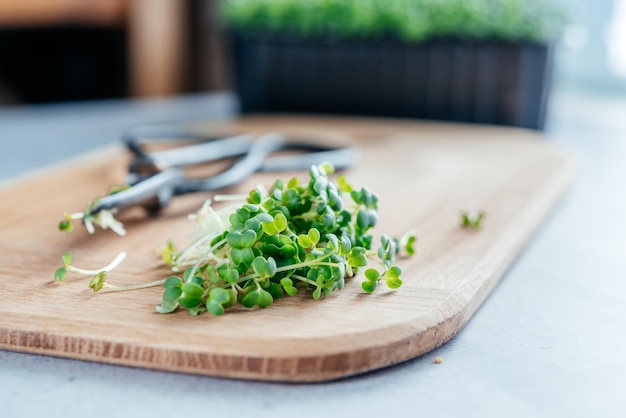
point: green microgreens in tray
(295, 237)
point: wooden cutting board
(425, 173)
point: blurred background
(68, 50)
(74, 50)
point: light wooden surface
(424, 172)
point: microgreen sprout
(407, 244)
(104, 218)
(99, 275)
(472, 219)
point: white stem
(216, 217)
(116, 261)
(229, 197)
(194, 246)
(77, 215)
(113, 288)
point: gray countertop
(550, 341)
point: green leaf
(173, 281)
(366, 218)
(317, 293)
(345, 245)
(270, 228)
(255, 197)
(60, 274)
(314, 236)
(280, 221)
(189, 301)
(227, 274)
(67, 259)
(409, 246)
(265, 268)
(333, 242)
(247, 256)
(253, 224)
(235, 255)
(172, 293)
(214, 307)
(168, 252)
(368, 286)
(393, 272)
(264, 217)
(167, 307)
(248, 238)
(265, 299)
(237, 239)
(66, 225)
(372, 274)
(287, 284)
(305, 241)
(357, 257)
(293, 183)
(236, 219)
(343, 184)
(97, 282)
(276, 225)
(393, 283)
(192, 290)
(232, 298)
(327, 168)
(218, 298)
(257, 297)
(219, 295)
(472, 219)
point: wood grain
(424, 173)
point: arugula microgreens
(293, 237)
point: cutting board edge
(312, 368)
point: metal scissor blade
(340, 158)
(194, 154)
(251, 162)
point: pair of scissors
(154, 178)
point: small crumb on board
(438, 360)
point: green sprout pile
(294, 237)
